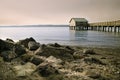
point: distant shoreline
(35, 26)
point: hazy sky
(57, 11)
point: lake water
(62, 35)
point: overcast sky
(57, 11)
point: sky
(21, 12)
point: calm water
(61, 35)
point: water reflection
(78, 35)
(95, 38)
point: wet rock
(24, 70)
(38, 51)
(57, 45)
(19, 50)
(8, 55)
(68, 47)
(36, 60)
(26, 57)
(33, 45)
(58, 52)
(33, 59)
(9, 40)
(26, 41)
(89, 51)
(5, 45)
(54, 45)
(46, 70)
(93, 60)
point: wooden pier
(82, 24)
(111, 26)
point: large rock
(36, 60)
(32, 45)
(8, 55)
(4, 45)
(58, 52)
(46, 70)
(24, 70)
(26, 41)
(19, 50)
(9, 40)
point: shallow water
(62, 35)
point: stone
(5, 45)
(78, 55)
(8, 55)
(68, 47)
(26, 41)
(46, 70)
(57, 45)
(33, 45)
(58, 52)
(36, 60)
(19, 50)
(24, 70)
(9, 40)
(93, 75)
(54, 61)
(26, 57)
(93, 60)
(54, 45)
(89, 51)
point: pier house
(78, 24)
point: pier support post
(118, 28)
(111, 28)
(108, 28)
(115, 28)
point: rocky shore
(29, 60)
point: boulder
(58, 52)
(24, 70)
(36, 60)
(33, 59)
(33, 45)
(26, 41)
(54, 45)
(5, 45)
(19, 50)
(9, 40)
(89, 51)
(46, 70)
(8, 55)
